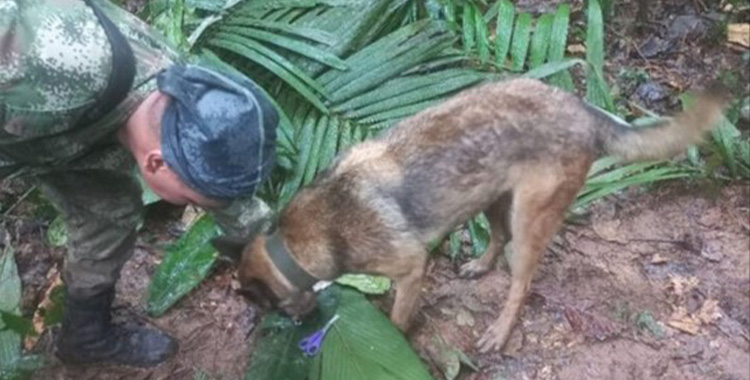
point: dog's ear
(230, 248)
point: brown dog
(517, 150)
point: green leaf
(483, 43)
(597, 91)
(330, 141)
(363, 344)
(558, 44)
(10, 283)
(311, 166)
(552, 68)
(594, 189)
(305, 143)
(16, 323)
(540, 41)
(438, 88)
(479, 231)
(57, 233)
(365, 283)
(409, 88)
(274, 63)
(468, 28)
(290, 44)
(185, 264)
(53, 315)
(504, 31)
(520, 45)
(311, 34)
(277, 355)
(10, 299)
(422, 47)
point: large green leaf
(13, 364)
(185, 264)
(361, 344)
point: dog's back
(459, 157)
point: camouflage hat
(218, 131)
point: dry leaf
(684, 322)
(658, 259)
(576, 49)
(710, 311)
(682, 285)
(190, 215)
(38, 319)
(464, 318)
(739, 34)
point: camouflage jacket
(54, 59)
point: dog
(517, 150)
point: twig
(18, 201)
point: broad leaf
(365, 283)
(185, 264)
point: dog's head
(261, 281)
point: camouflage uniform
(54, 59)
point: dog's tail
(666, 138)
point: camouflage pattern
(54, 59)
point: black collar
(286, 264)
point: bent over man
(87, 94)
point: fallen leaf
(658, 259)
(464, 318)
(739, 34)
(710, 311)
(682, 285)
(190, 215)
(681, 320)
(449, 358)
(47, 304)
(576, 49)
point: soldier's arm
(244, 218)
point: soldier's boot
(88, 336)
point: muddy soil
(653, 284)
(643, 257)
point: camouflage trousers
(102, 210)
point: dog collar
(285, 263)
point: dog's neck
(287, 265)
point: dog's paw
(493, 339)
(474, 268)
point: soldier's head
(204, 137)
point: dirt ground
(652, 284)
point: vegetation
(343, 71)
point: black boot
(88, 336)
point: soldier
(87, 93)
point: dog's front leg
(408, 287)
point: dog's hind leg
(539, 205)
(498, 214)
(408, 284)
